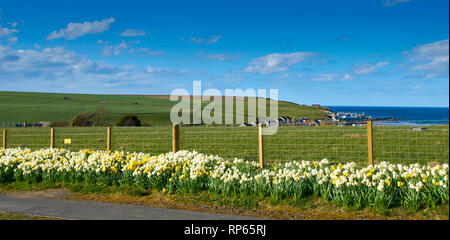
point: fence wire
(80, 138)
(395, 144)
(154, 140)
(411, 144)
(32, 138)
(337, 144)
(227, 142)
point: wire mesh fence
(76, 138)
(411, 144)
(337, 144)
(32, 138)
(395, 144)
(227, 142)
(154, 140)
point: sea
(407, 116)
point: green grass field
(153, 109)
(338, 144)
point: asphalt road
(70, 209)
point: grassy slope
(35, 107)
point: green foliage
(129, 120)
(83, 120)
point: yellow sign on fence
(67, 141)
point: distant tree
(83, 120)
(129, 120)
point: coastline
(400, 116)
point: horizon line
(127, 94)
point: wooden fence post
(175, 137)
(260, 143)
(108, 139)
(5, 132)
(52, 138)
(370, 142)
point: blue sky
(347, 52)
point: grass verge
(256, 206)
(15, 216)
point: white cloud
(214, 39)
(390, 3)
(144, 49)
(6, 32)
(116, 49)
(197, 40)
(416, 89)
(233, 77)
(285, 75)
(430, 51)
(155, 53)
(222, 57)
(367, 68)
(211, 40)
(277, 62)
(328, 77)
(346, 77)
(109, 50)
(290, 76)
(47, 62)
(121, 46)
(102, 42)
(430, 60)
(75, 30)
(147, 51)
(58, 68)
(156, 70)
(133, 33)
(12, 40)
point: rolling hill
(151, 109)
